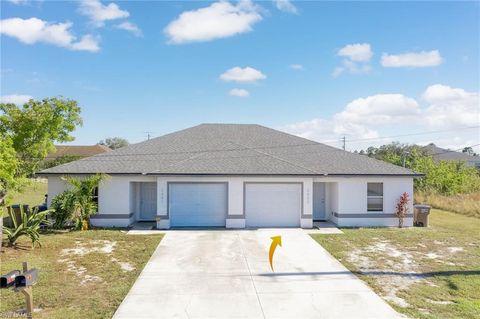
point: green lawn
(82, 274)
(429, 272)
(33, 194)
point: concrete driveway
(226, 274)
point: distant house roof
(230, 149)
(442, 154)
(77, 150)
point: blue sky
(321, 70)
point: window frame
(369, 209)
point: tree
(114, 142)
(8, 167)
(35, 127)
(468, 150)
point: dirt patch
(395, 268)
(125, 266)
(81, 249)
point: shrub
(28, 225)
(402, 208)
(77, 203)
(63, 206)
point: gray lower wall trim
(112, 216)
(236, 217)
(307, 216)
(369, 215)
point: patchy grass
(32, 195)
(465, 204)
(429, 272)
(81, 274)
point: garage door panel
(273, 205)
(197, 204)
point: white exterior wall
(55, 186)
(235, 197)
(348, 195)
(344, 195)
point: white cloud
(412, 59)
(86, 43)
(99, 13)
(33, 30)
(297, 67)
(380, 109)
(245, 75)
(451, 107)
(239, 92)
(18, 2)
(219, 20)
(356, 59)
(18, 99)
(285, 6)
(366, 118)
(131, 27)
(358, 52)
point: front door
(319, 201)
(148, 201)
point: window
(95, 196)
(374, 197)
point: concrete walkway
(226, 274)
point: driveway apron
(226, 274)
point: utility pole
(343, 140)
(148, 134)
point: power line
(402, 135)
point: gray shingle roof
(442, 154)
(229, 149)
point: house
(236, 176)
(442, 154)
(77, 151)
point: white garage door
(197, 204)
(273, 205)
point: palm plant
(84, 206)
(27, 225)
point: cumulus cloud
(297, 67)
(451, 107)
(380, 109)
(98, 13)
(18, 99)
(356, 59)
(443, 107)
(130, 27)
(245, 75)
(219, 20)
(358, 52)
(412, 59)
(239, 92)
(285, 6)
(33, 30)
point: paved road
(225, 274)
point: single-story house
(239, 175)
(442, 154)
(79, 151)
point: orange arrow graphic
(276, 240)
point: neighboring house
(237, 176)
(79, 151)
(442, 154)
